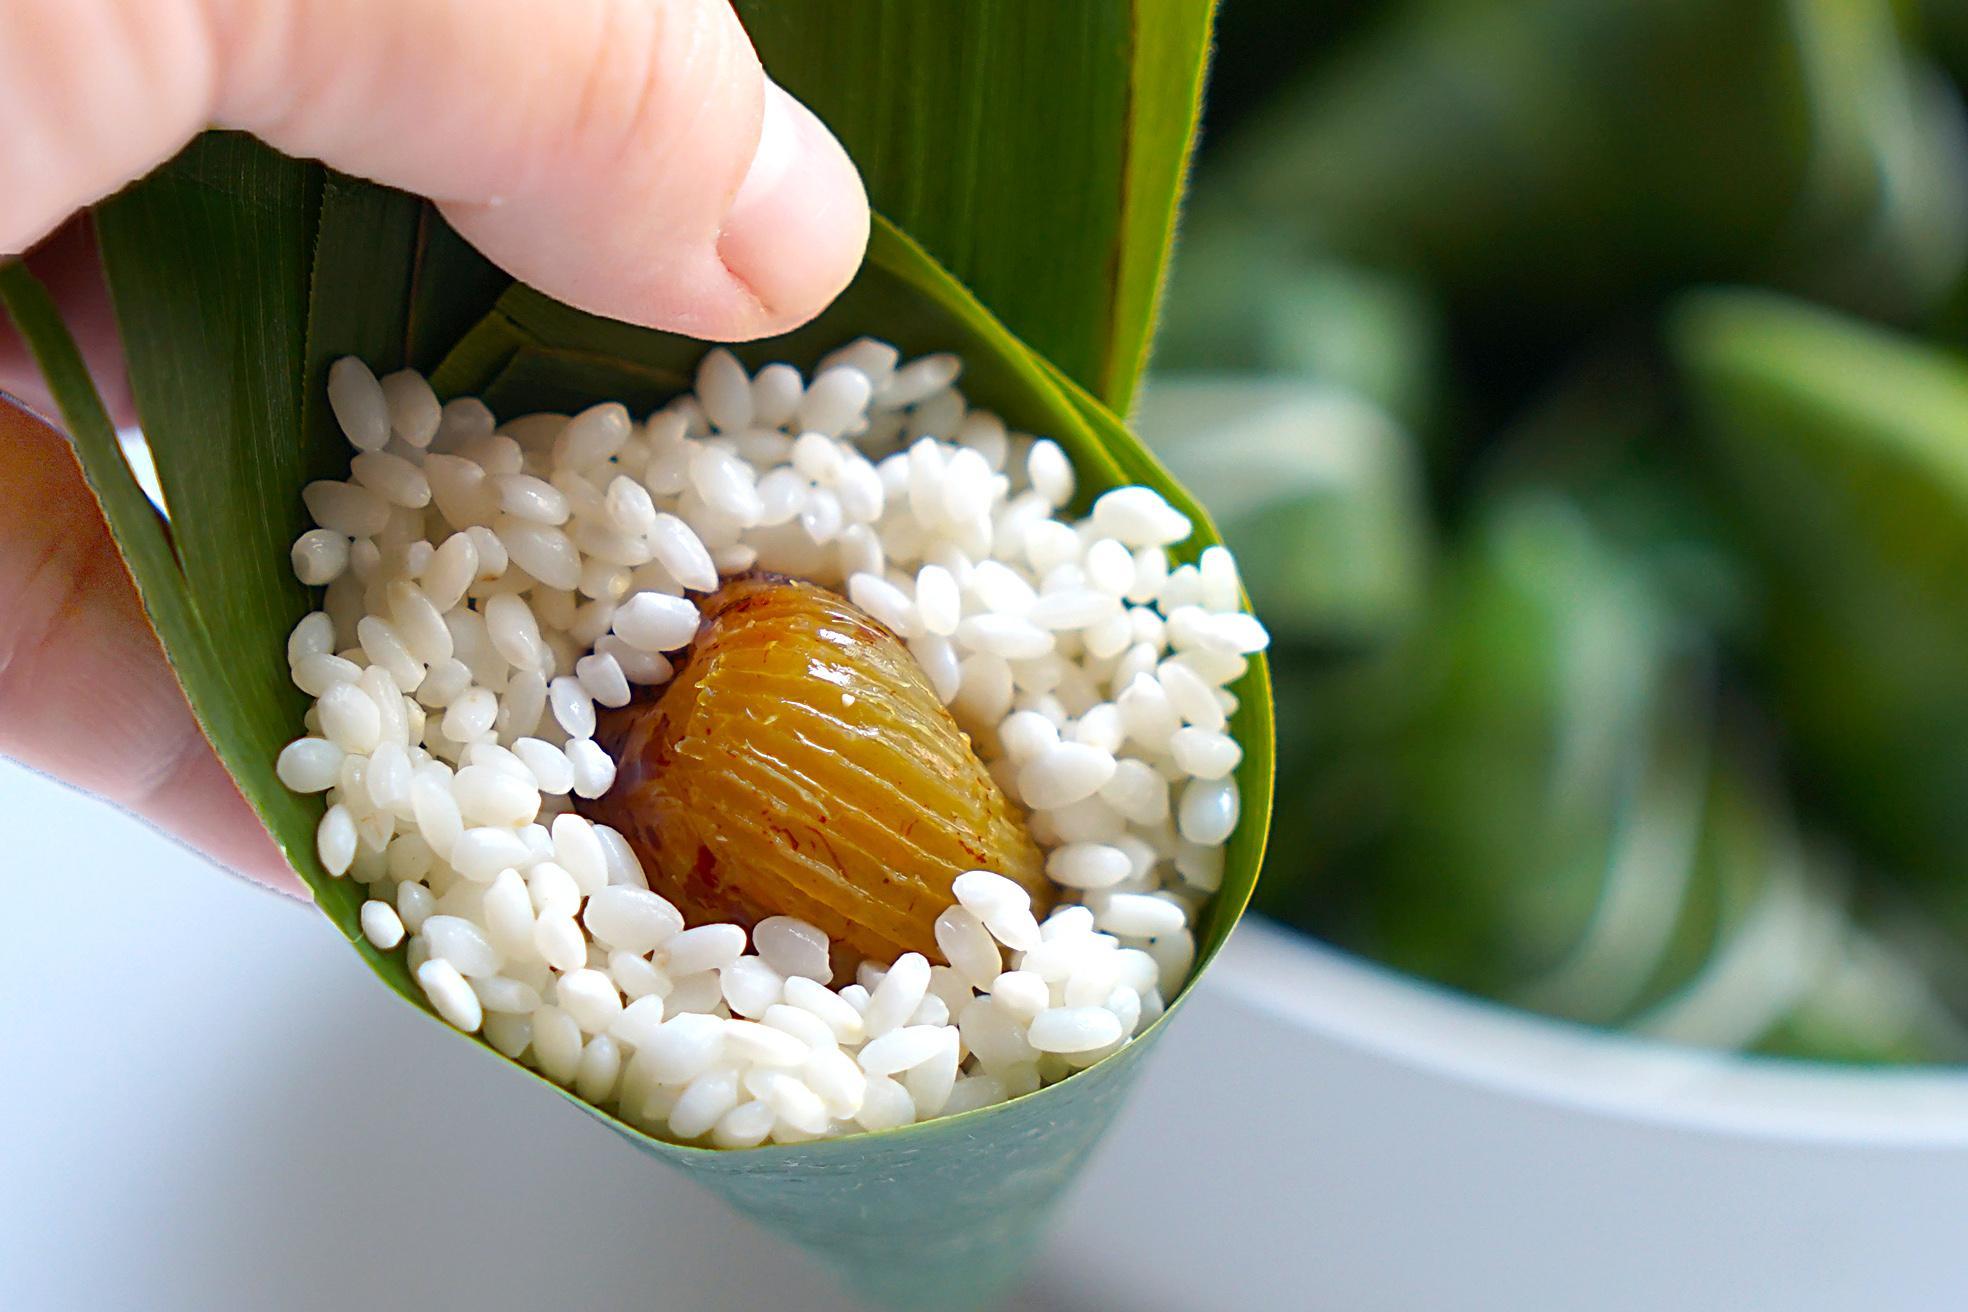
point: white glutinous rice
(489, 586)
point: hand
(628, 156)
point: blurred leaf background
(1581, 384)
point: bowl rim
(1431, 1030)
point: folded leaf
(238, 276)
(988, 131)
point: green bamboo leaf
(987, 131)
(359, 286)
(140, 532)
(1772, 952)
(920, 307)
(536, 379)
(216, 346)
(228, 269)
(453, 286)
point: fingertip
(682, 191)
(797, 228)
(203, 807)
(757, 259)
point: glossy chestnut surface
(799, 764)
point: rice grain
(488, 586)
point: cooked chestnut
(799, 764)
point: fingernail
(798, 224)
(777, 154)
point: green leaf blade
(1165, 93)
(989, 132)
(454, 285)
(960, 1197)
(139, 531)
(228, 353)
(207, 265)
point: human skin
(627, 156)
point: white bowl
(1323, 1133)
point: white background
(207, 1103)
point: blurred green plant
(1546, 796)
(1316, 490)
(1844, 452)
(1573, 153)
(1645, 702)
(1453, 193)
(1244, 299)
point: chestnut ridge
(787, 670)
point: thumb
(627, 156)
